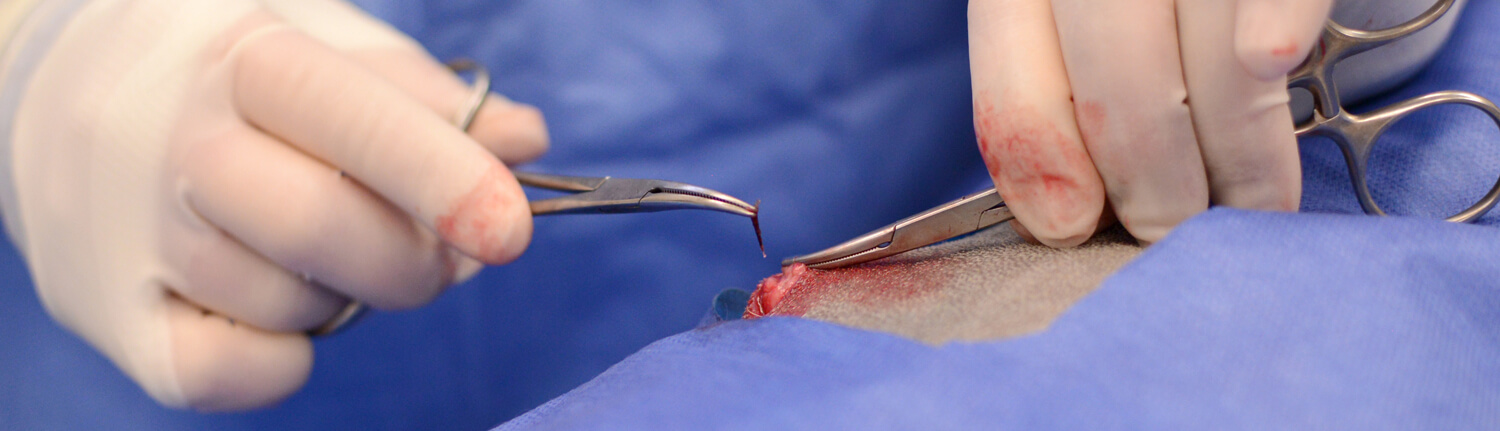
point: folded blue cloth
(842, 116)
(1238, 320)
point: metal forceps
(591, 195)
(1355, 134)
(960, 217)
(595, 195)
(627, 195)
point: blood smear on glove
(985, 286)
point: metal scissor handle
(1338, 43)
(1355, 134)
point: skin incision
(987, 285)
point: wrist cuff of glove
(27, 29)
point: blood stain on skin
(470, 221)
(769, 293)
(799, 289)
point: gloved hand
(1157, 107)
(196, 183)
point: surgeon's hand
(196, 183)
(1156, 107)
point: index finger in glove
(335, 110)
(1024, 122)
(513, 132)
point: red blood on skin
(798, 289)
(979, 287)
(470, 222)
(769, 292)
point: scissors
(1355, 134)
(590, 195)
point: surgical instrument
(1355, 134)
(627, 195)
(590, 195)
(967, 214)
(596, 195)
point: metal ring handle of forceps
(1355, 134)
(463, 120)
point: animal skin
(988, 285)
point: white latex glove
(1157, 107)
(178, 197)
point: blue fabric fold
(1237, 320)
(841, 116)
